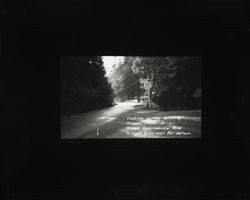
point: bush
(84, 85)
(167, 99)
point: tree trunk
(152, 83)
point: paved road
(75, 126)
(131, 120)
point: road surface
(132, 120)
(77, 125)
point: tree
(84, 85)
(173, 79)
(125, 80)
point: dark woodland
(84, 85)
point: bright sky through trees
(110, 61)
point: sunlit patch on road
(109, 118)
(143, 112)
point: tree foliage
(125, 80)
(173, 78)
(84, 85)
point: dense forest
(158, 82)
(84, 86)
(167, 82)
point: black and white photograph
(130, 97)
(123, 100)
